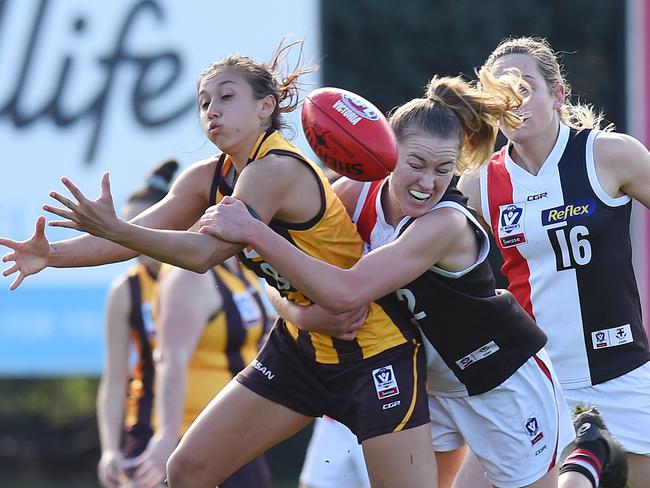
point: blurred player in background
(209, 327)
(558, 199)
(130, 325)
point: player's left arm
(623, 166)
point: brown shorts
(384, 393)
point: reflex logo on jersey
(616, 336)
(511, 220)
(533, 430)
(563, 213)
(385, 382)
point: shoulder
(120, 284)
(444, 223)
(119, 295)
(179, 280)
(197, 174)
(470, 185)
(614, 148)
(619, 158)
(274, 162)
(348, 192)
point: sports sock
(588, 460)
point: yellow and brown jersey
(229, 341)
(329, 236)
(143, 288)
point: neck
(392, 210)
(531, 155)
(242, 152)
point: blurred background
(87, 87)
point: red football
(349, 134)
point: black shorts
(384, 393)
(135, 440)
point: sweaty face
(229, 114)
(540, 110)
(424, 170)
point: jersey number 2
(404, 294)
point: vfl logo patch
(385, 382)
(248, 309)
(563, 213)
(616, 336)
(511, 220)
(481, 353)
(533, 430)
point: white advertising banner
(87, 87)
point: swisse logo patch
(567, 212)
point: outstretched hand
(96, 217)
(229, 220)
(27, 257)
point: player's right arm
(112, 387)
(314, 318)
(180, 209)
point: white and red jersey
(567, 256)
(474, 337)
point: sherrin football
(349, 134)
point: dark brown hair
(268, 78)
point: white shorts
(624, 403)
(334, 458)
(516, 430)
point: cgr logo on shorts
(385, 382)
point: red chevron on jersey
(500, 196)
(368, 217)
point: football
(349, 134)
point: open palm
(27, 257)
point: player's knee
(180, 468)
(185, 470)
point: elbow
(341, 300)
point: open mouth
(419, 196)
